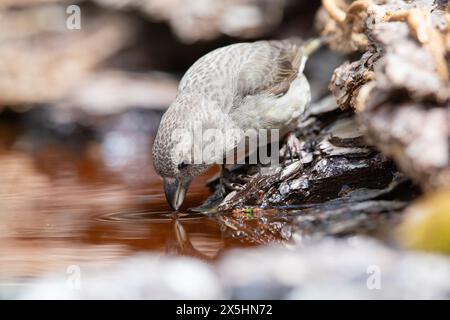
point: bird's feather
(271, 69)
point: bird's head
(173, 158)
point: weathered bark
(400, 86)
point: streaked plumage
(256, 85)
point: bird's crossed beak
(175, 191)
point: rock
(290, 170)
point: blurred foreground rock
(356, 268)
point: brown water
(90, 204)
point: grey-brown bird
(257, 85)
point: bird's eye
(182, 165)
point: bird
(249, 85)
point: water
(92, 198)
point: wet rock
(334, 154)
(340, 218)
(293, 185)
(290, 170)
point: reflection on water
(64, 202)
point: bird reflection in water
(179, 242)
(237, 228)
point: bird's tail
(305, 48)
(311, 45)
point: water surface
(93, 198)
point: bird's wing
(270, 69)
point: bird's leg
(222, 179)
(292, 146)
(216, 198)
